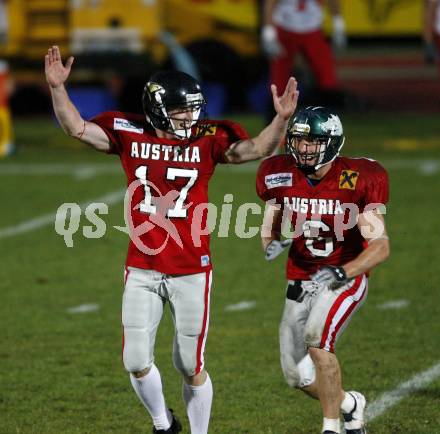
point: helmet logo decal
(332, 126)
(301, 128)
(155, 91)
(154, 87)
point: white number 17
(147, 206)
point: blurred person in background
(431, 31)
(3, 22)
(295, 26)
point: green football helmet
(314, 138)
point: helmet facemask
(313, 152)
(183, 119)
(314, 138)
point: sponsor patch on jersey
(348, 179)
(204, 260)
(278, 180)
(124, 125)
(208, 130)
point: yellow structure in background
(128, 25)
(234, 22)
(36, 24)
(373, 18)
(5, 115)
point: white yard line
(78, 171)
(242, 305)
(393, 304)
(47, 219)
(84, 308)
(391, 398)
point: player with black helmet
(169, 154)
(169, 93)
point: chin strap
(307, 170)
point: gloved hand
(339, 37)
(330, 276)
(275, 248)
(431, 55)
(269, 40)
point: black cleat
(175, 427)
(329, 432)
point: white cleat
(355, 420)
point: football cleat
(329, 432)
(175, 427)
(354, 421)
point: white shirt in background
(299, 16)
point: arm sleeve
(106, 122)
(377, 187)
(262, 190)
(226, 133)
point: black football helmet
(168, 93)
(323, 132)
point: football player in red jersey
(291, 27)
(336, 206)
(170, 153)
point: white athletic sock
(331, 425)
(149, 390)
(347, 403)
(198, 400)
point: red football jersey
(171, 191)
(323, 216)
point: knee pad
(185, 355)
(313, 335)
(298, 375)
(306, 370)
(136, 354)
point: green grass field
(61, 373)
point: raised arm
(428, 20)
(268, 7)
(68, 116)
(267, 141)
(428, 30)
(339, 37)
